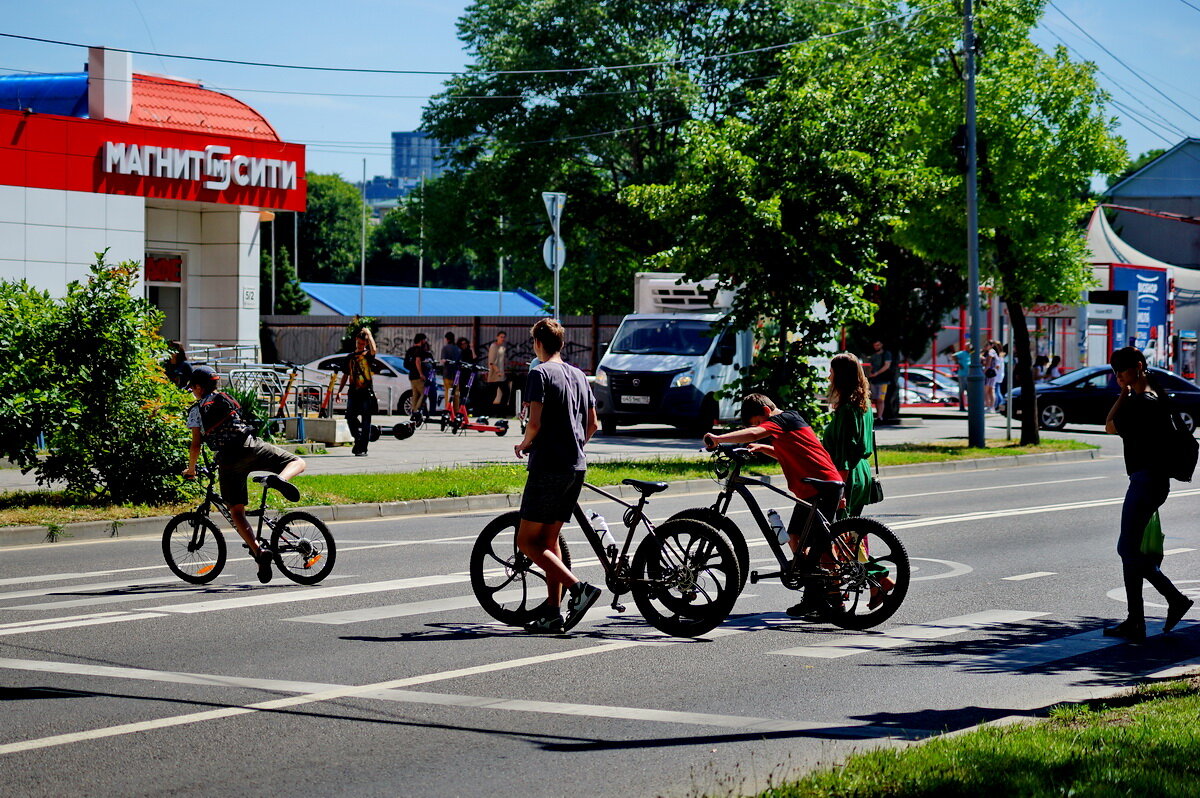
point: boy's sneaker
(548, 622)
(1175, 612)
(264, 564)
(583, 596)
(286, 489)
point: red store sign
(104, 157)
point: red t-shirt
(799, 452)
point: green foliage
(790, 202)
(1135, 165)
(330, 230)
(84, 370)
(590, 133)
(426, 221)
(290, 298)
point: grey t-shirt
(566, 398)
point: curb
(153, 525)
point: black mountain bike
(195, 551)
(855, 571)
(684, 576)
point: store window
(164, 289)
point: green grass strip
(1145, 743)
(50, 507)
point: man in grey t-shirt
(562, 417)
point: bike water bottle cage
(645, 488)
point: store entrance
(164, 290)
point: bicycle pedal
(618, 606)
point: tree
(330, 230)
(83, 371)
(591, 133)
(788, 204)
(290, 298)
(1047, 132)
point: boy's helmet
(204, 376)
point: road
(388, 680)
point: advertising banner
(1147, 329)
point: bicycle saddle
(645, 488)
(823, 484)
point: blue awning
(64, 94)
(380, 300)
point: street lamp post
(975, 416)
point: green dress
(849, 439)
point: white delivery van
(671, 358)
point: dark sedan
(1085, 395)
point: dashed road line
(1034, 575)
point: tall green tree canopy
(592, 132)
(330, 231)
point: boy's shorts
(550, 496)
(878, 391)
(234, 466)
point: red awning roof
(179, 105)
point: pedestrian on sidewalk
(416, 360)
(849, 437)
(451, 354)
(880, 377)
(562, 418)
(497, 365)
(990, 363)
(1142, 418)
(962, 362)
(360, 402)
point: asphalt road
(389, 680)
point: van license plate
(635, 400)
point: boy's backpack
(1182, 450)
(222, 422)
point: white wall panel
(50, 277)
(85, 209)
(220, 227)
(12, 204)
(125, 213)
(45, 206)
(45, 244)
(191, 227)
(162, 224)
(12, 244)
(84, 242)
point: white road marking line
(1023, 577)
(107, 618)
(956, 569)
(748, 723)
(311, 594)
(907, 635)
(25, 580)
(390, 611)
(1013, 511)
(1031, 656)
(19, 624)
(301, 700)
(996, 487)
(1182, 550)
(49, 591)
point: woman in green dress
(849, 438)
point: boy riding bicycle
(214, 419)
(800, 455)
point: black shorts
(550, 496)
(234, 466)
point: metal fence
(302, 339)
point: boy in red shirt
(800, 455)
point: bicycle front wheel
(508, 585)
(686, 578)
(303, 547)
(867, 573)
(194, 548)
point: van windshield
(663, 337)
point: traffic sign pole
(553, 251)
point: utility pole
(362, 264)
(500, 290)
(421, 255)
(976, 410)
(272, 264)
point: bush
(84, 370)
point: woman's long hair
(848, 383)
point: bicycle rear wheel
(868, 573)
(685, 578)
(508, 585)
(733, 535)
(303, 547)
(194, 548)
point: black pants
(1147, 492)
(359, 407)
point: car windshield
(1070, 376)
(396, 363)
(663, 337)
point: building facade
(415, 155)
(153, 169)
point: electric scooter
(459, 418)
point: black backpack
(1182, 450)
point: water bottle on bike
(606, 536)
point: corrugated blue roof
(386, 300)
(64, 95)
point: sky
(1159, 40)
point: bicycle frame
(740, 485)
(214, 499)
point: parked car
(933, 385)
(1085, 395)
(392, 387)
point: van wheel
(608, 425)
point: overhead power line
(565, 70)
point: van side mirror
(604, 348)
(724, 355)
